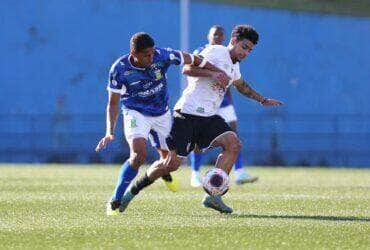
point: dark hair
(141, 41)
(217, 27)
(243, 31)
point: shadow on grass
(302, 217)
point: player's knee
(138, 158)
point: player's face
(144, 58)
(241, 49)
(216, 36)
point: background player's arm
(243, 87)
(112, 111)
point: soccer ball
(216, 182)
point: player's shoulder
(215, 49)
(120, 64)
(163, 51)
(199, 49)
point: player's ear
(233, 41)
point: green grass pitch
(60, 206)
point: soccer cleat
(195, 179)
(112, 208)
(126, 199)
(171, 183)
(243, 178)
(216, 203)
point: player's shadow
(302, 217)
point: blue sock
(195, 161)
(239, 162)
(126, 175)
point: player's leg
(222, 136)
(158, 137)
(225, 160)
(159, 168)
(161, 128)
(169, 180)
(128, 171)
(195, 164)
(241, 176)
(231, 146)
(136, 132)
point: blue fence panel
(56, 56)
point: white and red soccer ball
(216, 182)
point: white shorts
(228, 113)
(157, 128)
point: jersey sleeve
(115, 81)
(171, 56)
(215, 56)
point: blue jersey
(144, 89)
(227, 98)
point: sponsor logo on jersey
(152, 91)
(128, 72)
(134, 83)
(158, 74)
(157, 65)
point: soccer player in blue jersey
(216, 36)
(138, 80)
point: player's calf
(231, 147)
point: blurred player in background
(139, 81)
(195, 119)
(216, 36)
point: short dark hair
(141, 41)
(217, 27)
(244, 31)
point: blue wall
(56, 56)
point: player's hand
(271, 102)
(221, 78)
(104, 142)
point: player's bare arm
(199, 61)
(111, 120)
(194, 71)
(244, 88)
(197, 66)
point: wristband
(192, 59)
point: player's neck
(233, 58)
(135, 62)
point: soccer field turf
(59, 206)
